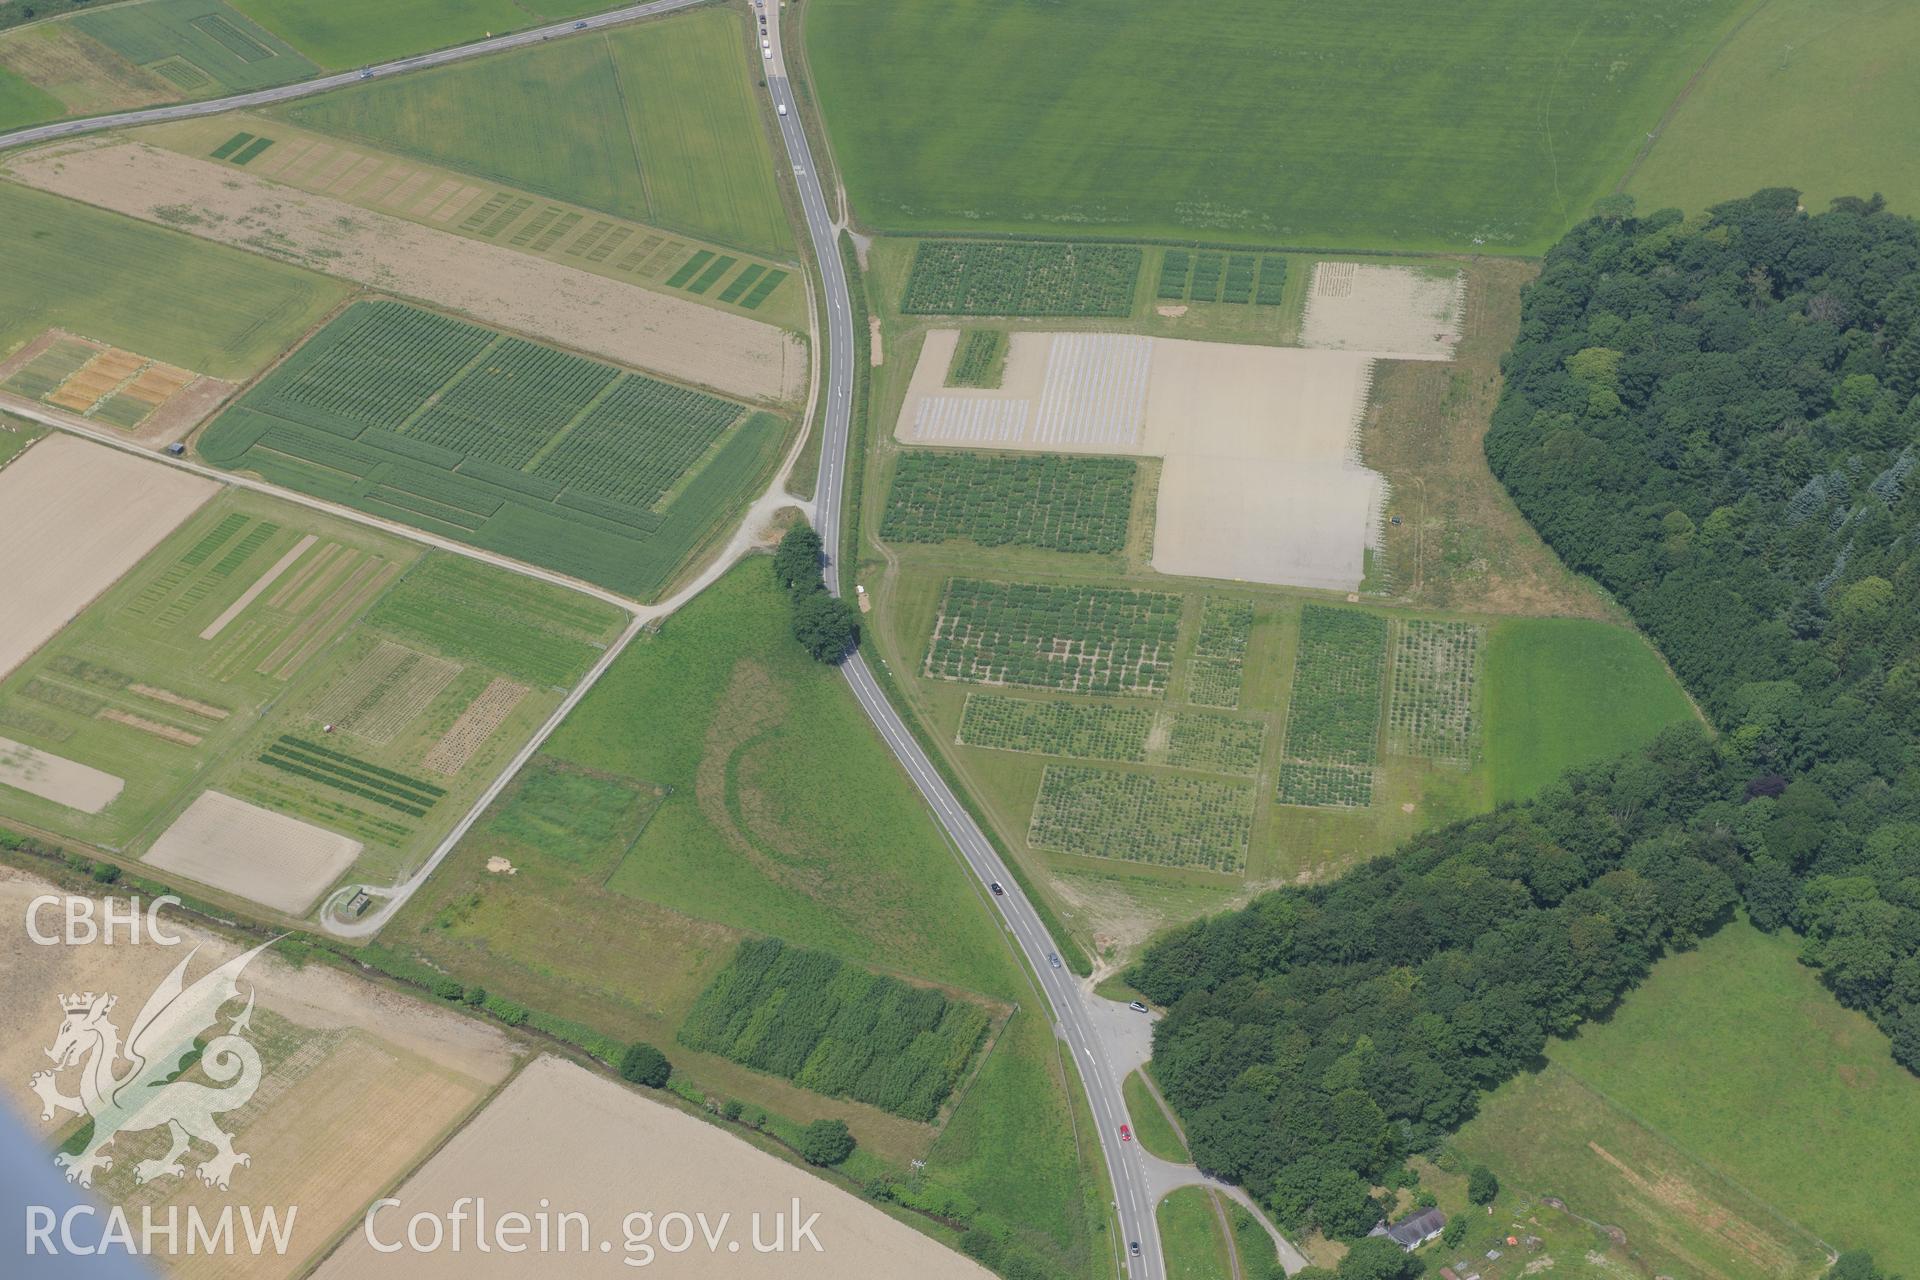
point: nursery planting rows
(1333, 714)
(1430, 713)
(1044, 500)
(1163, 819)
(1081, 639)
(1000, 278)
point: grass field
(1779, 107)
(22, 103)
(1392, 123)
(700, 793)
(1151, 1128)
(346, 33)
(165, 295)
(1562, 692)
(1727, 1117)
(1190, 1234)
(219, 660)
(203, 48)
(523, 449)
(652, 121)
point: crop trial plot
(1081, 730)
(108, 384)
(1080, 639)
(196, 45)
(272, 676)
(1216, 743)
(1430, 702)
(1220, 653)
(500, 442)
(1333, 713)
(1000, 278)
(1048, 501)
(980, 359)
(1162, 819)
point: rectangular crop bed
(1082, 639)
(1044, 500)
(1001, 278)
(1163, 820)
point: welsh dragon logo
(145, 1095)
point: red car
(1126, 1134)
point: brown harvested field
(358, 1083)
(56, 778)
(475, 725)
(1397, 313)
(87, 77)
(490, 283)
(78, 515)
(1262, 480)
(157, 382)
(562, 1136)
(266, 857)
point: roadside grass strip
(1165, 820)
(1218, 666)
(1002, 278)
(1333, 714)
(1082, 730)
(1079, 639)
(837, 1029)
(1431, 692)
(1047, 501)
(504, 443)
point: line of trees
(1716, 417)
(826, 625)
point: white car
(764, 44)
(783, 108)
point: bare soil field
(496, 285)
(1397, 313)
(1262, 481)
(265, 857)
(357, 1082)
(562, 1136)
(56, 778)
(77, 516)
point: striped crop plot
(1162, 819)
(1220, 653)
(1080, 730)
(980, 359)
(521, 448)
(1047, 501)
(1430, 701)
(199, 47)
(1333, 714)
(1080, 639)
(1001, 278)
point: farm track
(1084, 1022)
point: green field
(22, 103)
(1165, 820)
(1734, 1084)
(1045, 500)
(1383, 124)
(349, 33)
(653, 121)
(519, 448)
(1781, 106)
(1151, 1128)
(1190, 1233)
(980, 359)
(1562, 692)
(202, 306)
(700, 793)
(161, 683)
(201, 47)
(1333, 712)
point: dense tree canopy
(1716, 418)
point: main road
(1127, 1166)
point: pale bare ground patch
(564, 1135)
(1262, 480)
(358, 1082)
(574, 308)
(157, 728)
(86, 76)
(1397, 313)
(205, 710)
(56, 778)
(77, 516)
(259, 585)
(270, 858)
